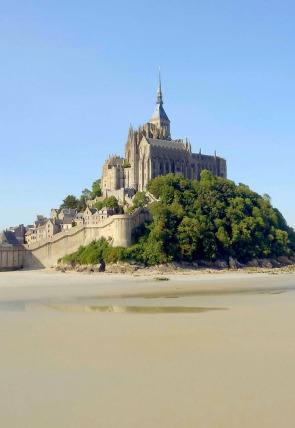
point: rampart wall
(12, 257)
(119, 228)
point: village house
(47, 230)
(41, 232)
(105, 213)
(54, 213)
(19, 233)
(93, 216)
(66, 223)
(68, 213)
(7, 238)
(31, 236)
(88, 215)
(79, 219)
(40, 220)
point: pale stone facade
(47, 230)
(150, 152)
(117, 228)
(31, 236)
(93, 216)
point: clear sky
(74, 74)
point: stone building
(12, 254)
(48, 229)
(31, 236)
(150, 151)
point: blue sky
(74, 74)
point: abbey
(150, 151)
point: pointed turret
(159, 91)
(159, 117)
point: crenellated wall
(118, 227)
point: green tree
(96, 189)
(85, 196)
(70, 202)
(112, 202)
(140, 200)
(98, 205)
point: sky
(74, 74)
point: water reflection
(15, 305)
(136, 309)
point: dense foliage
(96, 189)
(139, 200)
(214, 218)
(97, 252)
(70, 202)
(207, 219)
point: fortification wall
(12, 257)
(119, 228)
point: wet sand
(118, 350)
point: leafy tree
(140, 200)
(98, 205)
(96, 189)
(70, 202)
(85, 196)
(112, 202)
(214, 218)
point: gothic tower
(159, 117)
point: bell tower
(159, 117)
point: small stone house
(88, 215)
(69, 213)
(31, 236)
(105, 213)
(66, 223)
(8, 238)
(92, 216)
(47, 230)
(40, 220)
(53, 213)
(79, 219)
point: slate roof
(66, 221)
(159, 113)
(8, 238)
(168, 144)
(68, 211)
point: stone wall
(118, 227)
(12, 257)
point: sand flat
(233, 366)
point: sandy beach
(214, 350)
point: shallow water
(215, 354)
(136, 309)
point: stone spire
(159, 117)
(159, 92)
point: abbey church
(150, 151)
